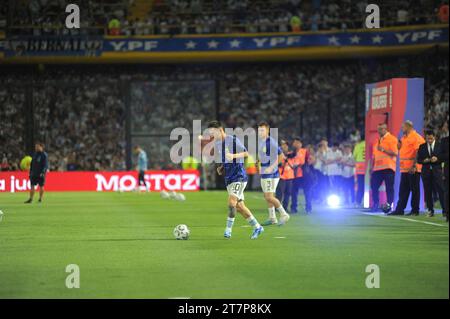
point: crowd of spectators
(83, 124)
(80, 113)
(207, 16)
(3, 14)
(12, 127)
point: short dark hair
(214, 124)
(297, 138)
(263, 123)
(429, 132)
(40, 144)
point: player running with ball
(269, 155)
(230, 153)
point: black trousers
(141, 178)
(360, 191)
(284, 191)
(348, 189)
(250, 182)
(409, 183)
(377, 178)
(301, 182)
(433, 179)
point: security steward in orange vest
(384, 162)
(286, 169)
(300, 158)
(410, 170)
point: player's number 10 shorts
(237, 189)
(269, 185)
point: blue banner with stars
(97, 47)
(211, 44)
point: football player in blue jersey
(269, 155)
(229, 154)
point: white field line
(407, 219)
(393, 217)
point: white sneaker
(284, 219)
(270, 221)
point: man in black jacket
(38, 170)
(429, 155)
(444, 159)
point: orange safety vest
(360, 168)
(251, 170)
(299, 160)
(286, 170)
(381, 159)
(408, 151)
(359, 153)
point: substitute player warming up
(38, 169)
(269, 155)
(230, 152)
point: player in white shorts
(230, 154)
(269, 155)
(237, 190)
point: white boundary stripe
(179, 298)
(279, 237)
(408, 219)
(382, 215)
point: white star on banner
(355, 39)
(191, 45)
(377, 39)
(235, 43)
(333, 40)
(213, 44)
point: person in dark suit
(429, 155)
(444, 159)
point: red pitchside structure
(392, 102)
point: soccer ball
(180, 197)
(173, 195)
(181, 232)
(164, 195)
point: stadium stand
(171, 17)
(82, 110)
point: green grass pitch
(124, 246)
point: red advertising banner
(176, 180)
